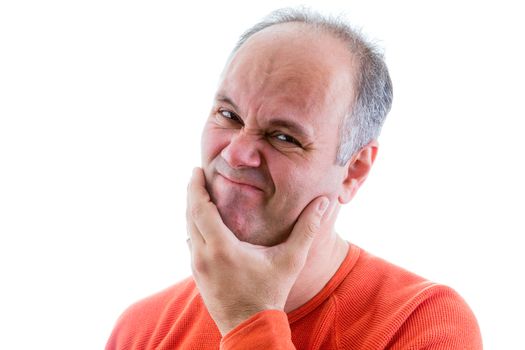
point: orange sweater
(368, 304)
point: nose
(242, 151)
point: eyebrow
(224, 98)
(294, 127)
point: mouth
(240, 183)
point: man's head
(300, 103)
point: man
(290, 138)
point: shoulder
(180, 291)
(148, 309)
(139, 320)
(441, 318)
(396, 307)
(438, 318)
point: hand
(237, 279)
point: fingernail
(323, 205)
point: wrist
(228, 322)
(268, 329)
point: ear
(357, 170)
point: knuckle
(311, 228)
(199, 265)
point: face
(269, 144)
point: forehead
(290, 67)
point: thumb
(307, 226)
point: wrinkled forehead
(293, 63)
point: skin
(261, 210)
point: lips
(240, 182)
(247, 177)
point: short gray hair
(373, 93)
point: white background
(101, 107)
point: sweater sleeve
(442, 322)
(265, 330)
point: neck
(326, 255)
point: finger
(307, 226)
(204, 213)
(193, 232)
(191, 229)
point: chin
(250, 229)
(240, 224)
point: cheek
(299, 186)
(213, 141)
(292, 189)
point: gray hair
(373, 93)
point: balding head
(288, 57)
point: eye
(288, 139)
(231, 116)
